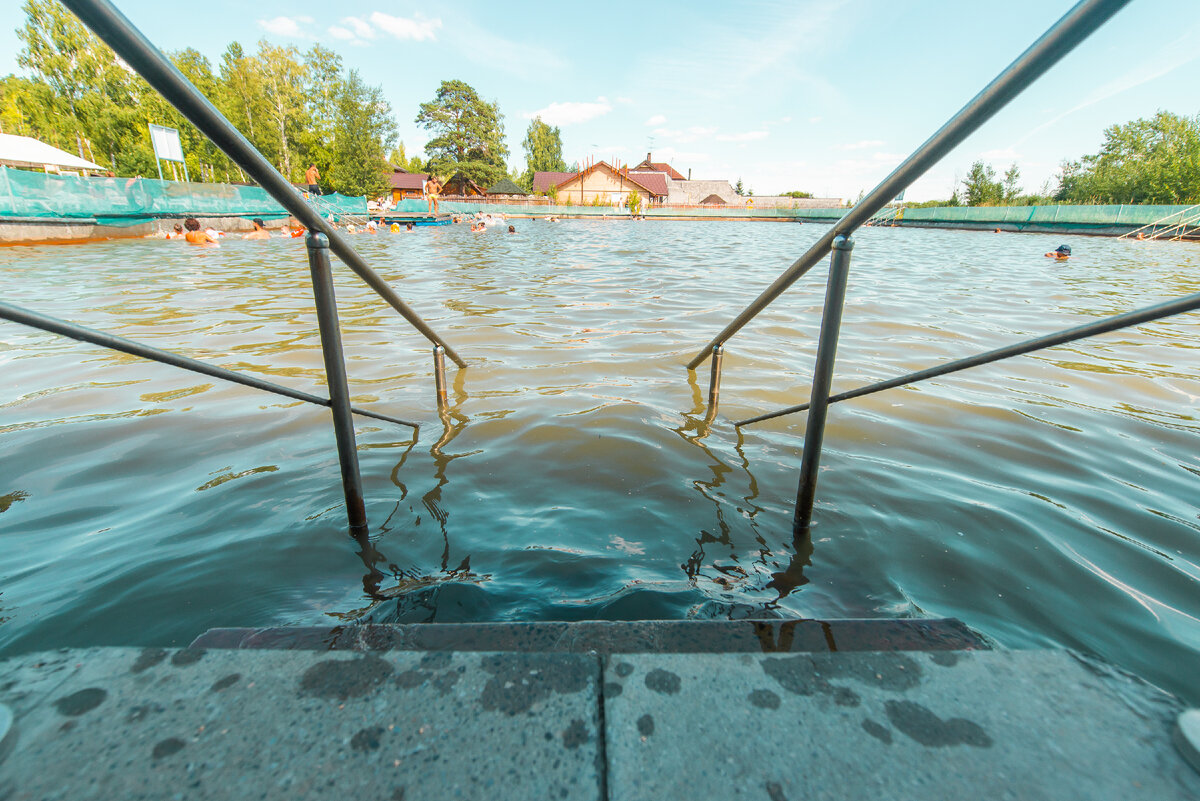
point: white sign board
(166, 143)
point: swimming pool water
(1048, 500)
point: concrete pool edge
(643, 636)
(218, 723)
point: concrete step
(651, 723)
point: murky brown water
(1047, 500)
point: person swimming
(1060, 252)
(194, 235)
(260, 230)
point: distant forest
(300, 108)
(296, 108)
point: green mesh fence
(128, 201)
(1043, 215)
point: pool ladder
(1081, 21)
(1075, 26)
(323, 238)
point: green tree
(468, 134)
(1011, 190)
(543, 151)
(364, 131)
(241, 97)
(325, 82)
(737, 188)
(797, 193)
(283, 77)
(400, 158)
(634, 202)
(980, 186)
(1154, 160)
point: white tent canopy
(23, 151)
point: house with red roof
(648, 165)
(404, 184)
(601, 182)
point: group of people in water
(192, 232)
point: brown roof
(407, 180)
(542, 181)
(658, 166)
(655, 182)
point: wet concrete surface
(124, 724)
(985, 724)
(293, 724)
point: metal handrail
(113, 342)
(1144, 315)
(328, 209)
(1184, 221)
(1075, 26)
(107, 22)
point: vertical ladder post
(714, 380)
(814, 431)
(439, 377)
(335, 376)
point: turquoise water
(1048, 500)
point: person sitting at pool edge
(195, 235)
(1060, 252)
(260, 230)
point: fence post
(814, 431)
(335, 376)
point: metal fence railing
(1080, 22)
(143, 57)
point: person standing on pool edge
(1062, 253)
(311, 176)
(432, 190)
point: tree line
(1150, 161)
(297, 108)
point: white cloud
(657, 119)
(570, 113)
(624, 100)
(362, 29)
(417, 29)
(860, 145)
(748, 136)
(287, 26)
(338, 32)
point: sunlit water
(1049, 500)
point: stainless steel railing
(137, 51)
(1075, 26)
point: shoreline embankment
(40, 208)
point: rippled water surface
(1046, 500)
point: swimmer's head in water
(178, 228)
(1063, 250)
(258, 223)
(192, 224)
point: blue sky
(823, 96)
